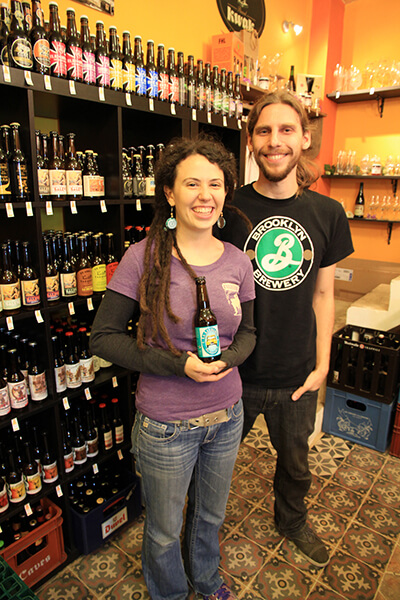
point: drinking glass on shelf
(364, 164)
(351, 162)
(396, 209)
(384, 207)
(372, 206)
(341, 162)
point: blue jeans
(175, 461)
(289, 424)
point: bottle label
(5, 405)
(85, 282)
(150, 186)
(225, 104)
(191, 95)
(43, 182)
(201, 97)
(73, 373)
(116, 81)
(140, 81)
(74, 62)
(103, 71)
(21, 53)
(208, 99)
(128, 187)
(93, 186)
(16, 491)
(239, 109)
(217, 101)
(33, 483)
(58, 184)
(359, 210)
(128, 77)
(30, 292)
(207, 339)
(11, 296)
(80, 456)
(87, 369)
(69, 286)
(74, 183)
(58, 60)
(119, 434)
(108, 440)
(110, 268)
(21, 180)
(232, 107)
(174, 89)
(99, 276)
(163, 86)
(69, 462)
(4, 59)
(92, 447)
(50, 472)
(60, 375)
(3, 499)
(53, 287)
(5, 183)
(89, 67)
(152, 84)
(41, 53)
(38, 386)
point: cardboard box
(301, 84)
(250, 43)
(365, 276)
(227, 52)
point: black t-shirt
(290, 240)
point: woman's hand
(203, 372)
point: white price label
(173, 108)
(114, 381)
(194, 114)
(128, 98)
(49, 208)
(39, 317)
(151, 104)
(103, 206)
(65, 403)
(209, 117)
(28, 208)
(102, 96)
(138, 204)
(224, 121)
(28, 509)
(90, 304)
(88, 395)
(59, 491)
(74, 210)
(9, 210)
(71, 308)
(6, 73)
(47, 83)
(10, 323)
(120, 455)
(95, 468)
(72, 88)
(28, 78)
(15, 424)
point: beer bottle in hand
(206, 328)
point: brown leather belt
(212, 418)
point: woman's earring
(221, 221)
(170, 223)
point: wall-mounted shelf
(378, 94)
(389, 225)
(392, 178)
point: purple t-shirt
(229, 282)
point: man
(296, 239)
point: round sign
(243, 14)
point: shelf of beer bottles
(32, 409)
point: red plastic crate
(37, 566)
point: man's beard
(272, 175)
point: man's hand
(203, 372)
(311, 384)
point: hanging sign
(243, 14)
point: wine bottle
(360, 203)
(49, 462)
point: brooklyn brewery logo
(243, 14)
(282, 252)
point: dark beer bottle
(190, 83)
(105, 431)
(36, 374)
(39, 41)
(73, 171)
(151, 72)
(5, 179)
(18, 167)
(206, 328)
(224, 94)
(26, 9)
(128, 63)
(49, 461)
(91, 437)
(102, 58)
(163, 83)
(68, 283)
(72, 364)
(180, 67)
(60, 374)
(238, 98)
(73, 50)
(42, 166)
(78, 444)
(173, 81)
(9, 284)
(111, 261)
(117, 424)
(360, 203)
(231, 94)
(207, 87)
(14, 479)
(83, 269)
(19, 46)
(58, 59)
(31, 472)
(58, 187)
(68, 455)
(216, 92)
(200, 89)
(140, 69)
(51, 274)
(99, 270)
(30, 291)
(116, 82)
(4, 31)
(17, 389)
(88, 56)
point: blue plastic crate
(358, 419)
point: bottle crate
(358, 419)
(32, 567)
(91, 530)
(11, 586)
(365, 362)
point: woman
(189, 413)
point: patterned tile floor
(354, 505)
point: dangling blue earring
(170, 223)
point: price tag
(128, 98)
(194, 114)
(39, 317)
(10, 323)
(49, 208)
(28, 78)
(47, 83)
(6, 73)
(95, 468)
(151, 104)
(102, 96)
(90, 304)
(209, 117)
(224, 121)
(248, 86)
(65, 403)
(71, 308)
(28, 509)
(103, 206)
(173, 108)
(59, 491)
(372, 91)
(1, 531)
(74, 210)
(15, 424)
(114, 382)
(138, 204)
(28, 208)
(337, 95)
(9, 210)
(239, 123)
(120, 455)
(88, 395)
(72, 88)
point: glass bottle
(17, 389)
(360, 203)
(216, 92)
(60, 374)
(102, 58)
(140, 69)
(30, 290)
(36, 374)
(180, 67)
(238, 98)
(5, 178)
(49, 461)
(18, 167)
(73, 171)
(231, 94)
(88, 55)
(83, 269)
(31, 472)
(68, 455)
(151, 71)
(4, 31)
(72, 364)
(200, 89)
(57, 177)
(224, 94)
(52, 275)
(117, 424)
(173, 81)
(126, 175)
(78, 444)
(128, 63)
(207, 87)
(139, 180)
(116, 82)
(5, 404)
(111, 261)
(150, 176)
(291, 84)
(68, 283)
(73, 50)
(26, 9)
(91, 437)
(190, 83)
(9, 284)
(14, 479)
(99, 274)
(85, 357)
(36, 449)
(40, 43)
(163, 83)
(58, 59)
(105, 431)
(19, 46)
(23, 361)
(42, 166)
(206, 327)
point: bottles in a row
(19, 280)
(14, 183)
(94, 60)
(138, 170)
(134, 234)
(22, 373)
(12, 530)
(73, 361)
(65, 173)
(92, 490)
